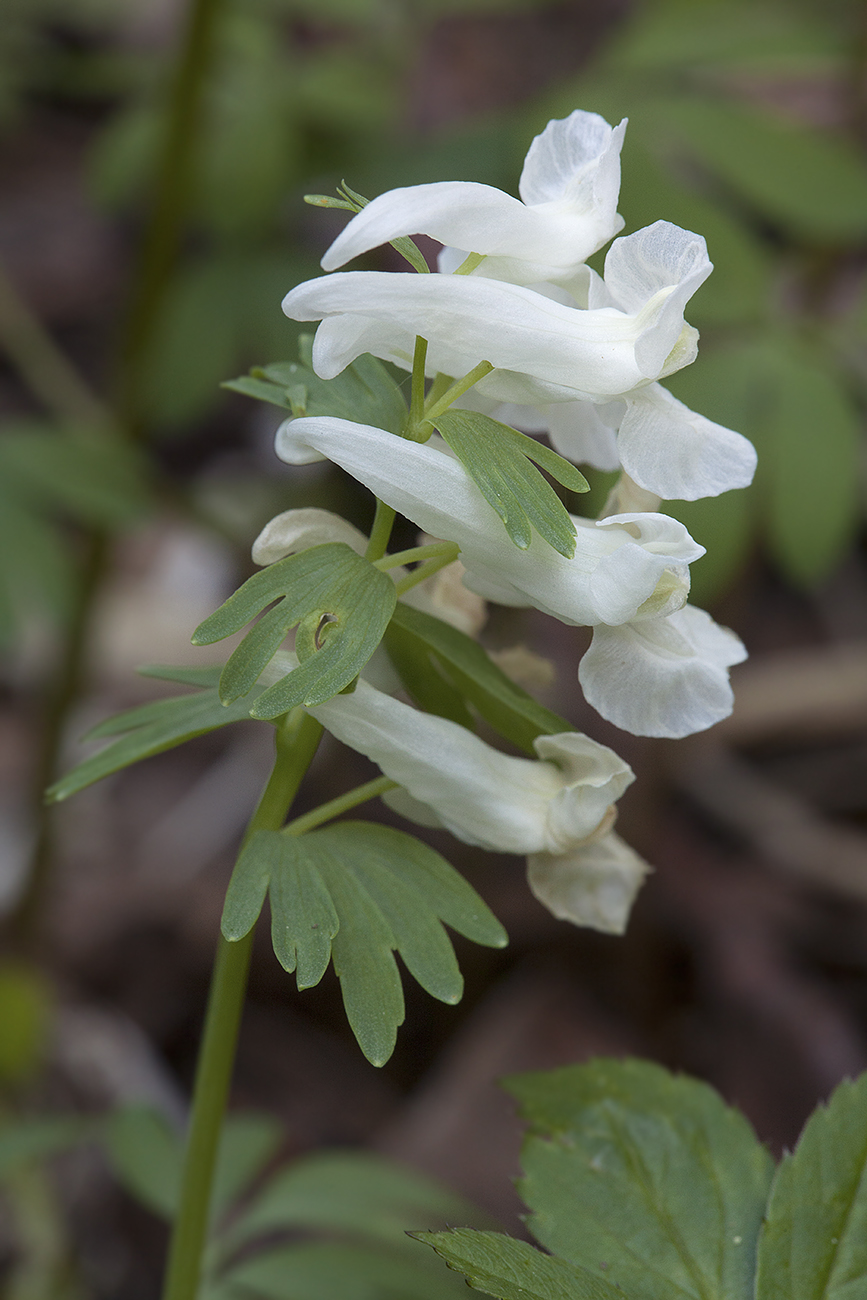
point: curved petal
(662, 676)
(676, 453)
(585, 432)
(587, 354)
(572, 170)
(298, 530)
(481, 795)
(435, 491)
(594, 778)
(594, 885)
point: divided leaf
(512, 1270)
(153, 728)
(341, 605)
(813, 1245)
(647, 1174)
(355, 892)
(364, 392)
(498, 459)
(442, 667)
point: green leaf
(337, 1271)
(472, 675)
(355, 892)
(646, 1171)
(814, 1242)
(353, 1193)
(498, 458)
(513, 1270)
(147, 1157)
(808, 443)
(147, 730)
(343, 605)
(23, 1141)
(364, 392)
(811, 182)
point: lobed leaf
(416, 640)
(355, 892)
(513, 1270)
(647, 1172)
(364, 392)
(148, 730)
(343, 605)
(813, 1245)
(498, 459)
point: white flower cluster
(580, 357)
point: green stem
(297, 738)
(416, 553)
(173, 187)
(383, 522)
(325, 812)
(458, 388)
(46, 370)
(416, 405)
(426, 570)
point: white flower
(543, 350)
(558, 808)
(663, 676)
(652, 667)
(568, 208)
(618, 562)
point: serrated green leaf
(333, 594)
(813, 1245)
(646, 1171)
(474, 676)
(364, 392)
(356, 892)
(811, 182)
(498, 459)
(513, 1270)
(149, 730)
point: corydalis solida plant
(513, 330)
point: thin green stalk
(425, 571)
(45, 369)
(416, 404)
(470, 262)
(173, 187)
(297, 739)
(416, 553)
(326, 811)
(458, 388)
(383, 522)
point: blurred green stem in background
(173, 186)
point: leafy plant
(644, 1184)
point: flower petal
(617, 563)
(594, 885)
(298, 530)
(574, 168)
(569, 352)
(662, 676)
(678, 454)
